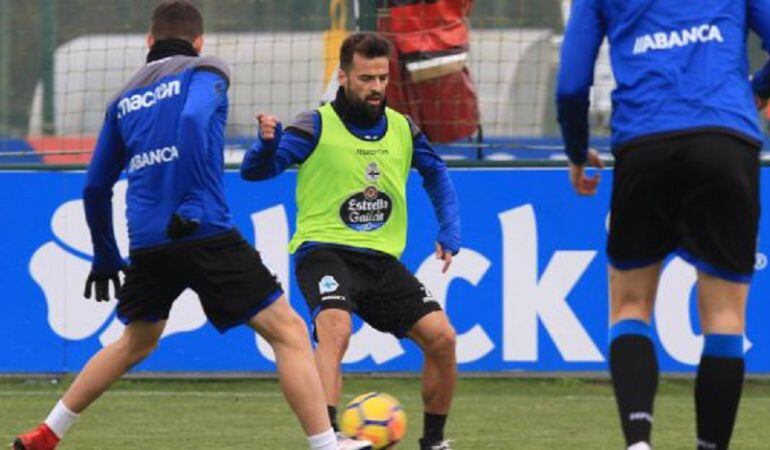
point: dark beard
(357, 112)
(359, 107)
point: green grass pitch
(251, 414)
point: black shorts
(694, 194)
(377, 287)
(225, 271)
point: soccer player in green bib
(354, 156)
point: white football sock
(323, 441)
(61, 419)
(640, 446)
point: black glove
(102, 281)
(179, 227)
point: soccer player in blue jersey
(686, 140)
(165, 128)
(355, 155)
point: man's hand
(444, 255)
(267, 126)
(760, 102)
(582, 184)
(102, 282)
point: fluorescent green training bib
(353, 192)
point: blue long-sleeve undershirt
(269, 158)
(760, 82)
(582, 41)
(759, 21)
(106, 165)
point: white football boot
(345, 443)
(443, 445)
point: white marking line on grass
(31, 393)
(152, 394)
(588, 397)
(657, 398)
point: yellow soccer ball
(375, 417)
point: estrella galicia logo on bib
(367, 210)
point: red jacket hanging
(429, 75)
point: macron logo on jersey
(148, 99)
(159, 156)
(675, 39)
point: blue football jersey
(165, 129)
(679, 65)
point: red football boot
(41, 438)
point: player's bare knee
(333, 328)
(632, 304)
(298, 328)
(334, 335)
(443, 342)
(630, 296)
(723, 321)
(291, 332)
(721, 305)
(141, 349)
(633, 292)
(141, 353)
(134, 351)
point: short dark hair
(367, 44)
(176, 19)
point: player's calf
(442, 344)
(437, 339)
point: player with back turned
(354, 157)
(165, 128)
(686, 140)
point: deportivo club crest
(372, 173)
(327, 284)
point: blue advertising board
(528, 291)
